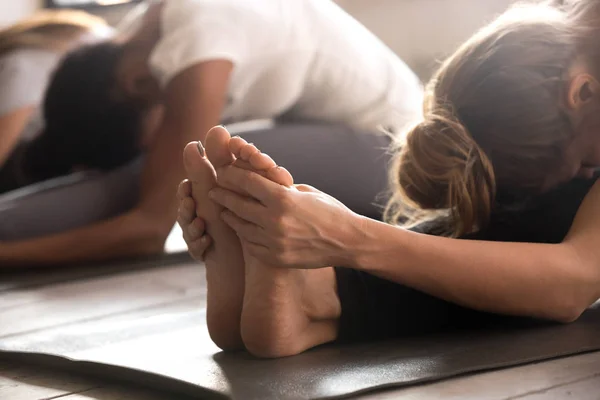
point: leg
(357, 163)
(285, 311)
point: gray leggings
(348, 165)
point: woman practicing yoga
(29, 52)
(187, 65)
(501, 170)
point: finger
(196, 229)
(244, 207)
(197, 248)
(255, 185)
(184, 189)
(245, 230)
(186, 211)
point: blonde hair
(493, 119)
(49, 30)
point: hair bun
(441, 167)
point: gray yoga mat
(169, 348)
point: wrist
(371, 244)
(352, 241)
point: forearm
(128, 235)
(538, 280)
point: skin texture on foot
(224, 260)
(285, 311)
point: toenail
(201, 149)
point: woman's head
(87, 122)
(512, 110)
(98, 107)
(58, 30)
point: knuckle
(188, 205)
(197, 248)
(280, 258)
(281, 194)
(250, 180)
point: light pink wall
(13, 10)
(420, 31)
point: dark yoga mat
(168, 347)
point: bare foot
(224, 261)
(285, 311)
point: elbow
(152, 245)
(569, 304)
(148, 237)
(578, 288)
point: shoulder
(196, 31)
(204, 15)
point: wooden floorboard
(29, 310)
(585, 389)
(34, 278)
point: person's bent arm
(307, 229)
(549, 281)
(11, 128)
(194, 102)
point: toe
(280, 175)
(198, 168)
(236, 144)
(248, 151)
(217, 147)
(261, 161)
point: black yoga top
(374, 308)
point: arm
(11, 127)
(194, 101)
(552, 281)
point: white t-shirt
(302, 58)
(24, 76)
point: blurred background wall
(419, 31)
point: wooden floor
(34, 307)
